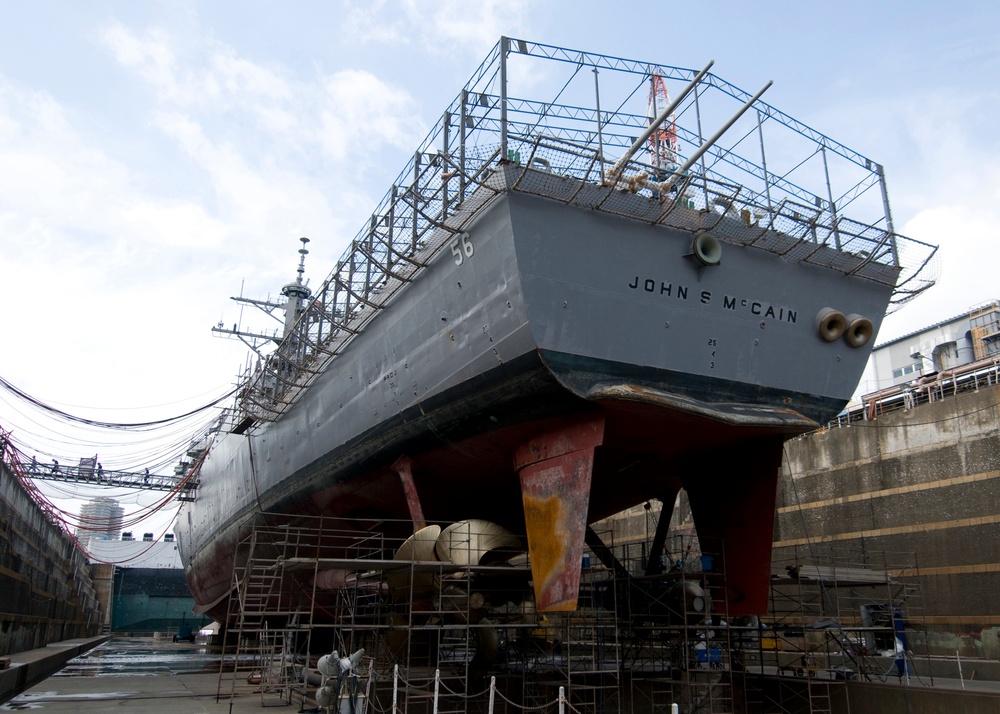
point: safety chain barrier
(560, 702)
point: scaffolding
(677, 623)
(984, 323)
(835, 615)
(449, 635)
(455, 631)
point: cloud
(173, 224)
(245, 125)
(359, 108)
(193, 70)
(64, 196)
(125, 239)
(951, 184)
(48, 173)
(110, 263)
(149, 55)
(965, 226)
(440, 28)
(941, 158)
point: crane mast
(663, 140)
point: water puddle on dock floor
(141, 657)
(38, 700)
(119, 657)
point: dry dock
(159, 676)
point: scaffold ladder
(271, 626)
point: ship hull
(543, 316)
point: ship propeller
(464, 599)
(469, 542)
(476, 542)
(419, 547)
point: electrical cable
(112, 425)
(159, 443)
(64, 519)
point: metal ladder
(270, 635)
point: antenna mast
(296, 292)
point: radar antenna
(296, 294)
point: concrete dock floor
(143, 675)
(162, 677)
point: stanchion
(395, 688)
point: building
(100, 519)
(960, 340)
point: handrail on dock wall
(970, 377)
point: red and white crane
(663, 140)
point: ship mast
(296, 293)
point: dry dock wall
(876, 698)
(924, 480)
(150, 600)
(33, 666)
(46, 593)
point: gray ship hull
(530, 333)
(542, 315)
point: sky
(157, 158)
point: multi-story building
(960, 340)
(100, 519)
